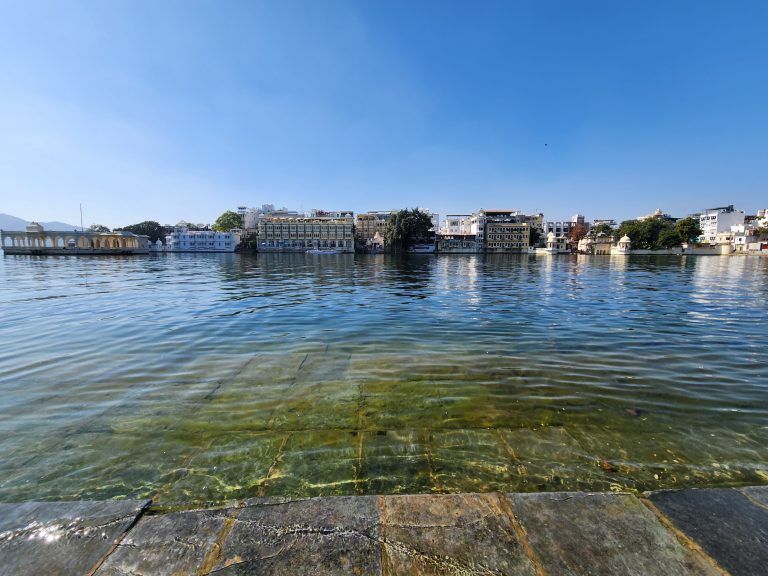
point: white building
(456, 224)
(714, 221)
(563, 229)
(184, 240)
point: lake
(197, 379)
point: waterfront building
(185, 240)
(713, 221)
(563, 228)
(321, 230)
(503, 236)
(251, 216)
(35, 240)
(456, 224)
(458, 244)
(369, 228)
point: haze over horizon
(178, 110)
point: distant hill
(8, 222)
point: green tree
(228, 221)
(97, 228)
(762, 233)
(147, 228)
(688, 229)
(603, 228)
(405, 228)
(646, 234)
(669, 238)
(535, 236)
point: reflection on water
(203, 378)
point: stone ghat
(681, 532)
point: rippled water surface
(205, 378)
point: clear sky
(180, 110)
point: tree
(97, 228)
(535, 236)
(603, 228)
(688, 229)
(669, 238)
(646, 234)
(228, 221)
(577, 233)
(147, 228)
(762, 233)
(405, 228)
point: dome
(551, 237)
(625, 239)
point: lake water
(199, 379)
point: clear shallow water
(204, 378)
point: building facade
(324, 230)
(369, 228)
(507, 236)
(456, 224)
(185, 240)
(458, 244)
(714, 221)
(35, 240)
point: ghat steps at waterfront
(685, 532)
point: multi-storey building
(713, 221)
(185, 240)
(321, 230)
(503, 236)
(458, 244)
(251, 216)
(369, 228)
(563, 228)
(456, 224)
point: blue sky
(181, 110)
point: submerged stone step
(64, 538)
(728, 525)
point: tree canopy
(147, 228)
(98, 228)
(659, 233)
(535, 236)
(228, 221)
(688, 229)
(405, 228)
(603, 228)
(577, 232)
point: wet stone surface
(610, 534)
(176, 543)
(64, 538)
(758, 494)
(321, 536)
(731, 528)
(670, 533)
(451, 534)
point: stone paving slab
(451, 534)
(327, 536)
(601, 533)
(64, 538)
(175, 543)
(730, 527)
